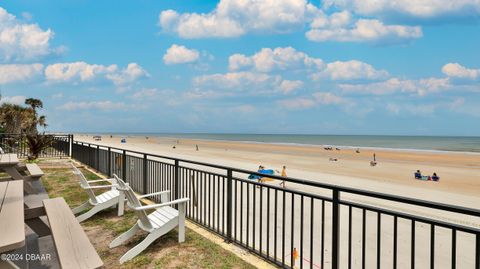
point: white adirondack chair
(108, 199)
(156, 224)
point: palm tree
(34, 104)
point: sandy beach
(459, 172)
(459, 185)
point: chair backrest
(84, 184)
(133, 202)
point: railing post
(145, 174)
(70, 145)
(124, 165)
(335, 228)
(97, 163)
(229, 205)
(109, 165)
(177, 180)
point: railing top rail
(372, 194)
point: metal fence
(325, 226)
(16, 143)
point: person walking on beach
(284, 174)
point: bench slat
(12, 231)
(73, 246)
(34, 170)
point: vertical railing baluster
(145, 174)
(177, 181)
(432, 246)
(292, 232)
(395, 235)
(335, 228)
(379, 238)
(454, 248)
(412, 247)
(301, 231)
(364, 237)
(312, 212)
(322, 246)
(124, 166)
(477, 252)
(109, 160)
(350, 237)
(229, 204)
(97, 161)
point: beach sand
(459, 172)
(459, 185)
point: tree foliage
(25, 121)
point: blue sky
(250, 66)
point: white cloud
(76, 71)
(456, 70)
(267, 60)
(245, 82)
(298, 103)
(145, 93)
(288, 86)
(100, 105)
(339, 28)
(17, 100)
(396, 85)
(130, 74)
(239, 80)
(82, 72)
(412, 109)
(421, 9)
(327, 98)
(198, 93)
(233, 18)
(23, 41)
(288, 58)
(316, 99)
(177, 54)
(10, 73)
(351, 70)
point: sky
(246, 66)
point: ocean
(435, 143)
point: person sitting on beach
(418, 174)
(435, 177)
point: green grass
(195, 252)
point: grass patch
(195, 252)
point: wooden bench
(34, 171)
(72, 245)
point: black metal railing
(16, 143)
(326, 226)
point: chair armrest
(152, 194)
(146, 207)
(101, 180)
(100, 186)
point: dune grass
(195, 252)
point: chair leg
(181, 223)
(124, 237)
(121, 203)
(133, 252)
(80, 208)
(90, 213)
